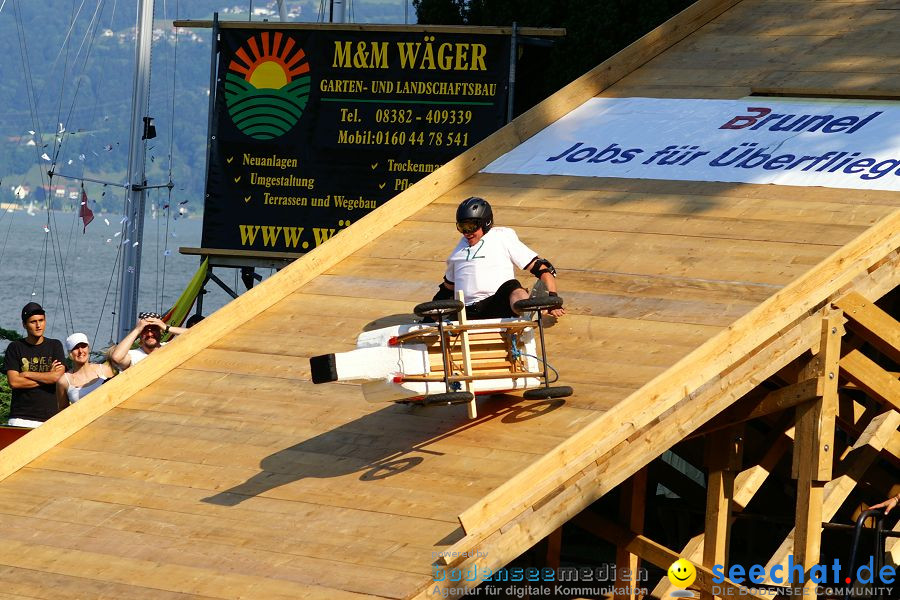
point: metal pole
(282, 11)
(135, 196)
(338, 11)
(513, 51)
(213, 89)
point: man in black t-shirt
(33, 366)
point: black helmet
(478, 209)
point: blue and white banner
(754, 140)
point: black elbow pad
(541, 266)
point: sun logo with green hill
(267, 86)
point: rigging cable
(154, 211)
(57, 138)
(92, 119)
(91, 35)
(60, 259)
(50, 229)
(32, 107)
(112, 323)
(168, 205)
(121, 243)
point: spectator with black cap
(33, 366)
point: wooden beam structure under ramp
(733, 324)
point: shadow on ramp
(396, 453)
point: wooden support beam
(564, 482)
(872, 324)
(874, 380)
(773, 402)
(814, 448)
(631, 513)
(865, 451)
(380, 27)
(657, 554)
(754, 337)
(815, 420)
(892, 446)
(750, 480)
(554, 549)
(746, 484)
(892, 547)
(808, 525)
(471, 409)
(724, 452)
(853, 416)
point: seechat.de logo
(267, 86)
(682, 574)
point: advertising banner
(314, 128)
(754, 140)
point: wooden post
(554, 549)
(466, 357)
(814, 448)
(631, 513)
(724, 454)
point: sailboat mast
(135, 198)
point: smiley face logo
(682, 573)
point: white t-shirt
(481, 269)
(138, 354)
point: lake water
(78, 290)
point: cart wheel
(539, 303)
(438, 308)
(543, 393)
(448, 398)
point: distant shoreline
(15, 207)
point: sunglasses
(468, 226)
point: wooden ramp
(217, 470)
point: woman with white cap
(85, 376)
